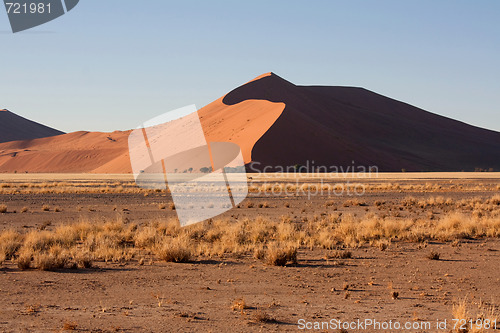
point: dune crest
(278, 124)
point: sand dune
(334, 126)
(14, 127)
(277, 123)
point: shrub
(24, 260)
(174, 251)
(433, 255)
(10, 242)
(239, 304)
(54, 260)
(3, 209)
(340, 254)
(263, 317)
(277, 255)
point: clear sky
(112, 64)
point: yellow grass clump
(274, 242)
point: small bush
(239, 304)
(84, 260)
(24, 261)
(45, 208)
(263, 317)
(69, 326)
(433, 255)
(3, 209)
(263, 205)
(50, 261)
(279, 256)
(340, 254)
(174, 251)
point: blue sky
(112, 64)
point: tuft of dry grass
(45, 208)
(10, 242)
(341, 254)
(279, 255)
(3, 209)
(239, 304)
(263, 205)
(174, 251)
(263, 317)
(50, 261)
(24, 210)
(24, 261)
(473, 320)
(433, 255)
(69, 326)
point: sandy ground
(198, 296)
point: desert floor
(385, 279)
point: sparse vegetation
(3, 209)
(239, 304)
(174, 251)
(263, 317)
(276, 243)
(279, 255)
(433, 255)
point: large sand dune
(14, 127)
(334, 126)
(279, 124)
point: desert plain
(95, 253)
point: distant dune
(279, 124)
(14, 127)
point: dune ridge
(279, 124)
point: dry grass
(279, 255)
(263, 317)
(276, 243)
(174, 251)
(433, 255)
(340, 254)
(239, 305)
(3, 209)
(69, 326)
(473, 319)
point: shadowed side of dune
(14, 127)
(334, 126)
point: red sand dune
(277, 123)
